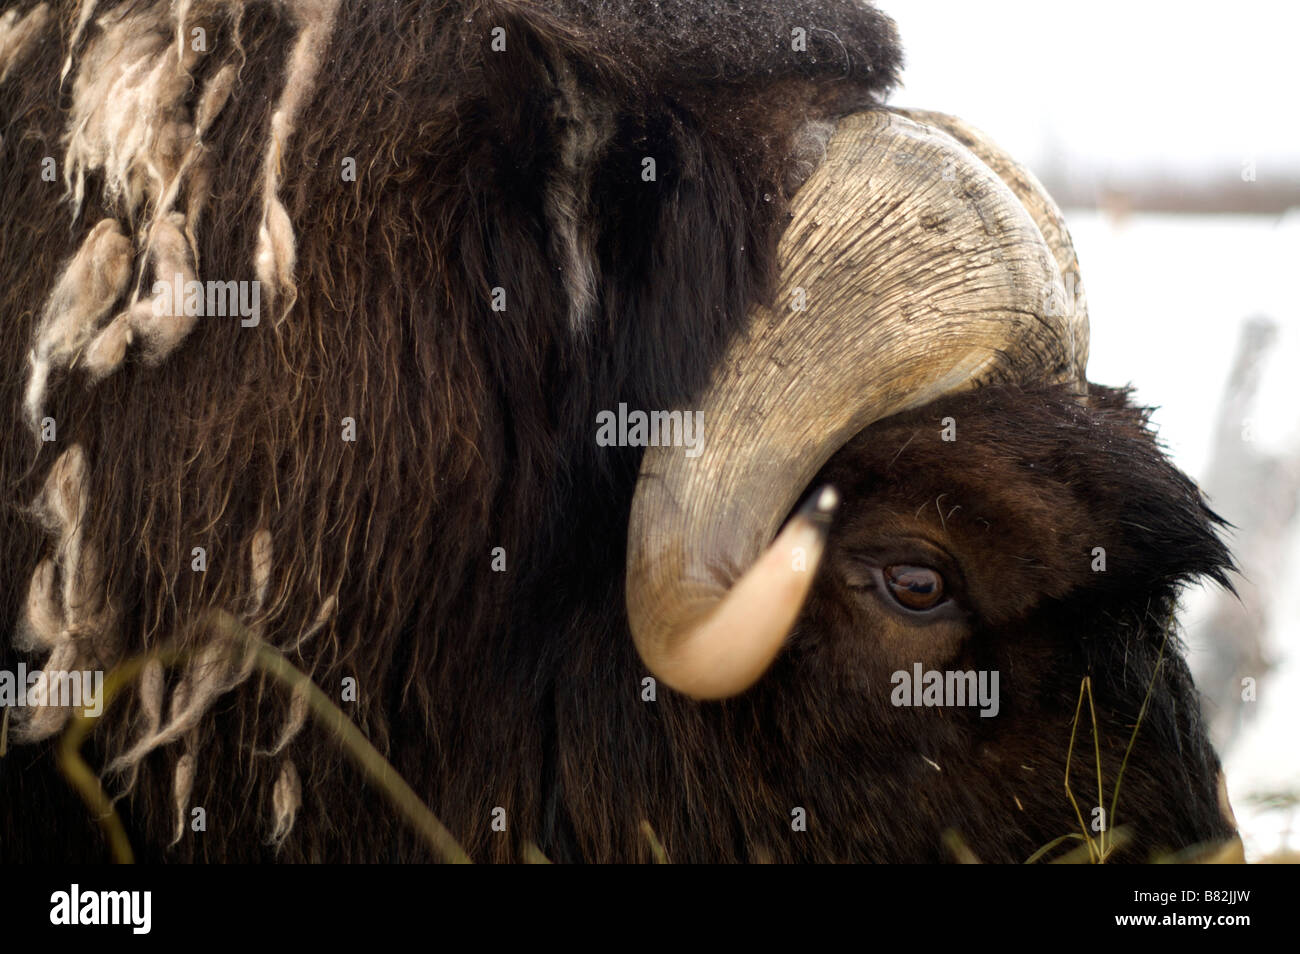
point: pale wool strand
(194, 164)
(261, 565)
(95, 277)
(276, 254)
(42, 614)
(327, 610)
(152, 688)
(83, 17)
(182, 789)
(208, 675)
(286, 799)
(298, 704)
(17, 36)
(41, 719)
(298, 707)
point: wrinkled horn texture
(944, 292)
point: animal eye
(916, 588)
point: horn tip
(821, 506)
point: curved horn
(921, 274)
(1041, 208)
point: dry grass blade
(1087, 854)
(1119, 779)
(1084, 686)
(1111, 837)
(374, 766)
(1038, 855)
(961, 852)
(534, 855)
(1096, 749)
(656, 846)
(79, 774)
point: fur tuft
(19, 33)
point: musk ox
(313, 311)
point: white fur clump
(18, 35)
(68, 614)
(43, 613)
(41, 718)
(155, 325)
(182, 789)
(129, 122)
(276, 247)
(128, 118)
(159, 329)
(86, 613)
(212, 671)
(107, 351)
(92, 281)
(286, 799)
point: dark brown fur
(1017, 504)
(475, 430)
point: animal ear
(1160, 527)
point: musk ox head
(1043, 546)
(952, 286)
(979, 512)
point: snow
(1167, 296)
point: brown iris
(914, 587)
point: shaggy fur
(372, 559)
(1015, 507)
(20, 31)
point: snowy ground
(1167, 295)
